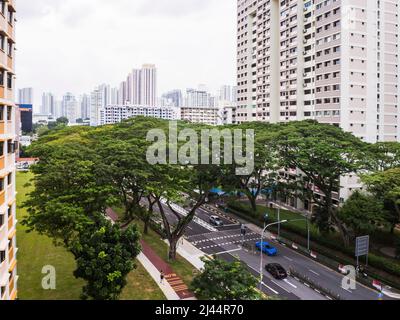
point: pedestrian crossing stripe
(228, 243)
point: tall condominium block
(148, 85)
(25, 96)
(335, 61)
(48, 104)
(8, 244)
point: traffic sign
(362, 246)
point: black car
(276, 270)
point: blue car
(266, 248)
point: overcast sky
(74, 45)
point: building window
(2, 7)
(10, 147)
(9, 81)
(9, 178)
(9, 113)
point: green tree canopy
(385, 185)
(363, 213)
(222, 280)
(104, 256)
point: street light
(308, 231)
(262, 242)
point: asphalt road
(226, 242)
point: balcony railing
(11, 286)
(11, 254)
(10, 222)
(2, 197)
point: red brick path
(175, 282)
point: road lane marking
(287, 258)
(317, 274)
(280, 286)
(274, 291)
(229, 251)
(289, 283)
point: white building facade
(335, 61)
(112, 114)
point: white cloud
(73, 45)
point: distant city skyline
(76, 53)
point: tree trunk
(253, 202)
(173, 242)
(146, 226)
(342, 230)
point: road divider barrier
(313, 255)
(342, 269)
(305, 280)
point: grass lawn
(141, 286)
(37, 251)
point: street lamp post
(308, 231)
(261, 247)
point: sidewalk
(190, 253)
(173, 287)
(176, 283)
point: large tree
(363, 213)
(266, 164)
(104, 255)
(186, 182)
(69, 192)
(385, 185)
(323, 153)
(68, 204)
(220, 280)
(383, 156)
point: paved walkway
(173, 287)
(170, 276)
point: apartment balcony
(12, 289)
(2, 197)
(10, 223)
(10, 63)
(11, 254)
(11, 3)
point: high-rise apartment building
(173, 98)
(8, 245)
(48, 104)
(25, 96)
(197, 98)
(335, 61)
(148, 85)
(84, 102)
(116, 113)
